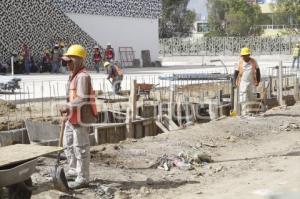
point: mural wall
(120, 8)
(42, 23)
(37, 23)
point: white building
(121, 23)
(42, 23)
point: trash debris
(66, 196)
(210, 145)
(121, 195)
(219, 169)
(289, 127)
(164, 162)
(183, 161)
(182, 164)
(104, 192)
(145, 190)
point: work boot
(77, 184)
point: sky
(199, 6)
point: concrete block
(146, 58)
(136, 63)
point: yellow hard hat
(76, 50)
(245, 51)
(106, 64)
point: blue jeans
(116, 84)
(55, 66)
(97, 66)
(27, 66)
(294, 61)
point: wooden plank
(129, 125)
(97, 137)
(107, 125)
(179, 113)
(132, 99)
(138, 130)
(147, 130)
(102, 136)
(161, 127)
(280, 85)
(110, 135)
(121, 133)
(153, 129)
(20, 152)
(171, 125)
(147, 122)
(113, 98)
(296, 89)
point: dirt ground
(254, 157)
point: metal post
(171, 100)
(269, 90)
(296, 89)
(12, 65)
(172, 46)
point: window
(202, 27)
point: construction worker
(115, 75)
(109, 53)
(56, 58)
(46, 62)
(247, 75)
(26, 54)
(80, 110)
(63, 49)
(97, 58)
(296, 56)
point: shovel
(58, 174)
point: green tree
(288, 11)
(233, 18)
(176, 20)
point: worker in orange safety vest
(80, 111)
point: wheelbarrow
(144, 89)
(17, 178)
(17, 164)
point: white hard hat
(106, 64)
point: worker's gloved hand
(64, 110)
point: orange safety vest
(241, 70)
(97, 57)
(75, 114)
(109, 53)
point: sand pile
(5, 106)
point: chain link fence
(227, 46)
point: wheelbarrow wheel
(22, 190)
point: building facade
(41, 23)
